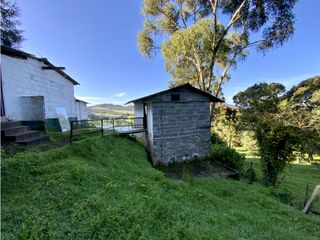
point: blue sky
(96, 42)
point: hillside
(105, 188)
(110, 110)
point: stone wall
(181, 129)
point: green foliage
(248, 140)
(304, 99)
(227, 156)
(282, 122)
(215, 139)
(225, 125)
(105, 188)
(305, 95)
(258, 104)
(11, 36)
(199, 37)
(297, 176)
(276, 145)
(250, 174)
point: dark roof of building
(187, 86)
(24, 55)
(79, 100)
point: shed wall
(181, 130)
(81, 110)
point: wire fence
(120, 125)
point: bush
(215, 139)
(227, 156)
(250, 174)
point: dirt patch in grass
(198, 169)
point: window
(175, 97)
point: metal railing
(120, 125)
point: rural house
(177, 123)
(32, 89)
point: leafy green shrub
(228, 156)
(250, 174)
(215, 139)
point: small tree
(282, 122)
(258, 105)
(11, 36)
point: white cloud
(121, 94)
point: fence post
(112, 124)
(101, 127)
(71, 128)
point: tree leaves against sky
(202, 39)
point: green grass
(104, 188)
(294, 179)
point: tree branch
(216, 46)
(182, 18)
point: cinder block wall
(181, 130)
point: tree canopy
(202, 39)
(258, 106)
(11, 36)
(283, 122)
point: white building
(32, 89)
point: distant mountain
(110, 110)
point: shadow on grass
(197, 168)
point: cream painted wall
(25, 77)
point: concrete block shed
(177, 123)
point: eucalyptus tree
(202, 39)
(11, 36)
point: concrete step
(34, 140)
(14, 130)
(22, 136)
(10, 124)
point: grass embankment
(293, 180)
(104, 188)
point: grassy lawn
(295, 178)
(105, 188)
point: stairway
(14, 132)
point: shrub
(227, 156)
(215, 139)
(250, 174)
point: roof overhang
(24, 55)
(187, 86)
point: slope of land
(105, 188)
(110, 110)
